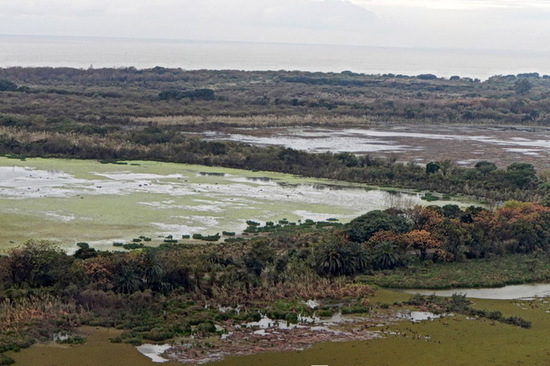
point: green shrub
(205, 328)
(325, 313)
(5, 360)
(357, 309)
(74, 340)
(158, 335)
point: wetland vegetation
(65, 201)
(174, 291)
(202, 294)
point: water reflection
(527, 291)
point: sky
(478, 24)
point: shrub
(6, 85)
(5, 360)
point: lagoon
(70, 201)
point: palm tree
(127, 280)
(385, 255)
(338, 259)
(329, 259)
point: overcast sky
(493, 24)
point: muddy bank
(274, 336)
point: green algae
(96, 351)
(69, 201)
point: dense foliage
(107, 97)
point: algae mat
(69, 201)
(96, 351)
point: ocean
(81, 52)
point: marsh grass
(36, 317)
(496, 272)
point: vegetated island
(181, 290)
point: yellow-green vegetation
(97, 351)
(69, 201)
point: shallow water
(527, 291)
(154, 351)
(403, 343)
(419, 316)
(70, 201)
(463, 144)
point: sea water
(83, 52)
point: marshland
(321, 197)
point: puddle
(153, 351)
(418, 316)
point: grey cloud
(319, 15)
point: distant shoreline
(85, 52)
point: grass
(497, 272)
(469, 341)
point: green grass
(512, 269)
(476, 342)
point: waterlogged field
(69, 201)
(470, 341)
(454, 340)
(464, 145)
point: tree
(38, 264)
(485, 167)
(451, 211)
(363, 227)
(527, 223)
(84, 251)
(386, 255)
(6, 85)
(455, 238)
(336, 259)
(127, 281)
(432, 167)
(445, 166)
(521, 174)
(259, 256)
(422, 241)
(424, 218)
(523, 86)
(349, 160)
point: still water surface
(83, 52)
(527, 291)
